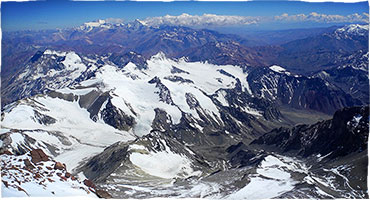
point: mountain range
(138, 111)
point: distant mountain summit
(352, 30)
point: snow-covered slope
(272, 179)
(119, 122)
(88, 99)
(351, 30)
(62, 128)
(85, 101)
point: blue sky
(61, 14)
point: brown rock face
(103, 194)
(89, 183)
(59, 166)
(62, 178)
(67, 175)
(37, 176)
(38, 156)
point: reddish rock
(49, 168)
(67, 175)
(20, 189)
(63, 178)
(38, 156)
(36, 176)
(59, 174)
(50, 180)
(73, 178)
(103, 194)
(6, 184)
(14, 167)
(89, 183)
(59, 166)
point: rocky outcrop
(89, 183)
(121, 60)
(103, 164)
(347, 132)
(240, 156)
(38, 155)
(103, 194)
(164, 92)
(116, 118)
(60, 166)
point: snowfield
(271, 181)
(76, 137)
(162, 164)
(80, 138)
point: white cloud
(324, 18)
(203, 20)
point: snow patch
(17, 139)
(83, 91)
(162, 164)
(271, 181)
(220, 97)
(279, 69)
(50, 52)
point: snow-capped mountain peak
(159, 56)
(353, 28)
(348, 31)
